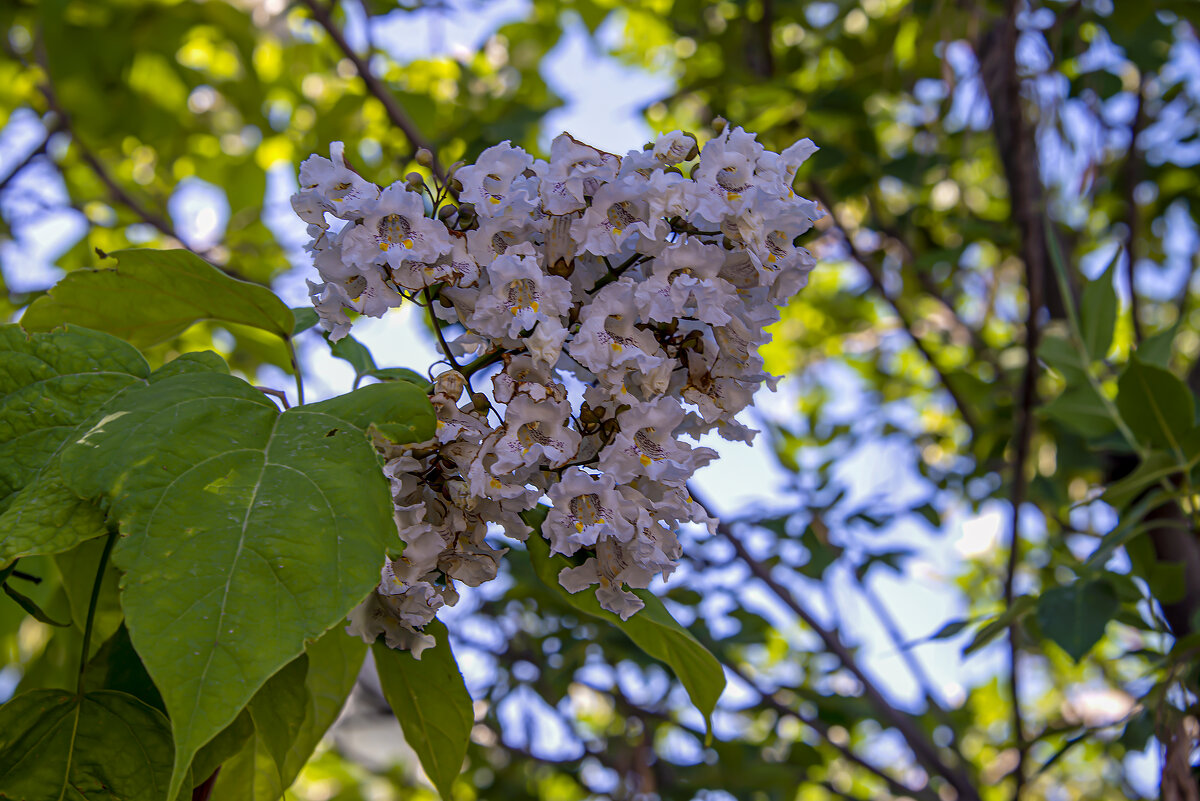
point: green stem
(1060, 273)
(109, 541)
(437, 327)
(485, 360)
(296, 371)
(5, 572)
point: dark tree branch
(1018, 153)
(396, 113)
(922, 747)
(115, 190)
(930, 288)
(875, 273)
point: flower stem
(109, 541)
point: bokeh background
(872, 594)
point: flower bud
(719, 124)
(414, 180)
(424, 157)
(446, 212)
(450, 384)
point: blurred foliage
(997, 177)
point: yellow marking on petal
(495, 201)
(408, 244)
(383, 246)
(616, 346)
(771, 258)
(617, 231)
(578, 526)
(733, 196)
(645, 460)
(534, 305)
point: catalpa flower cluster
(619, 303)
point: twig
(93, 602)
(437, 329)
(822, 729)
(275, 393)
(875, 273)
(396, 113)
(906, 654)
(922, 748)
(33, 154)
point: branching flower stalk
(624, 300)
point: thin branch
(118, 192)
(822, 729)
(930, 287)
(276, 393)
(437, 329)
(922, 747)
(33, 154)
(396, 113)
(906, 653)
(875, 273)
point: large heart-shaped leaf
(652, 628)
(428, 697)
(102, 745)
(247, 534)
(50, 385)
(153, 295)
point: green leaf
(306, 317)
(228, 743)
(652, 628)
(1156, 405)
(431, 702)
(401, 374)
(351, 350)
(101, 745)
(1021, 606)
(247, 534)
(1081, 409)
(154, 295)
(1075, 616)
(31, 608)
(401, 409)
(1168, 582)
(1060, 355)
(251, 773)
(1098, 312)
(333, 665)
(116, 666)
(203, 361)
(1155, 467)
(278, 709)
(51, 384)
(1156, 349)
